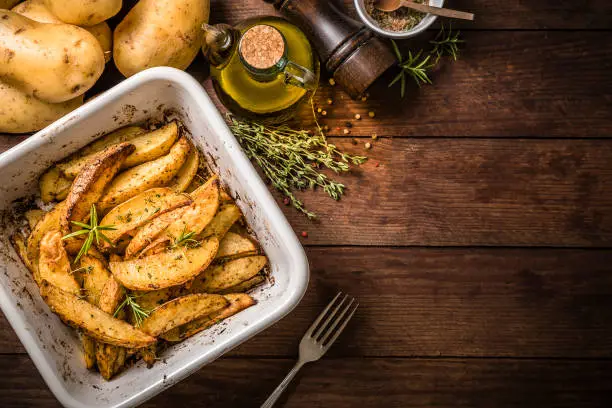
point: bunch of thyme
(291, 158)
(416, 66)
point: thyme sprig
(138, 311)
(186, 240)
(417, 66)
(93, 231)
(291, 159)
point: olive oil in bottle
(261, 68)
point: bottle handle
(299, 76)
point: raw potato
(237, 303)
(138, 210)
(37, 10)
(223, 221)
(54, 265)
(181, 311)
(189, 219)
(49, 222)
(235, 245)
(222, 277)
(53, 185)
(84, 12)
(22, 113)
(159, 33)
(93, 321)
(148, 146)
(89, 186)
(33, 217)
(156, 173)
(52, 62)
(185, 175)
(170, 268)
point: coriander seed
(357, 116)
(346, 131)
(368, 145)
(371, 114)
(332, 81)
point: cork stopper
(262, 46)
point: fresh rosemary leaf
(93, 231)
(137, 311)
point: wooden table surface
(477, 237)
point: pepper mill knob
(348, 50)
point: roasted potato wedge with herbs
(156, 173)
(54, 186)
(237, 303)
(227, 215)
(135, 212)
(235, 246)
(181, 311)
(220, 278)
(92, 320)
(247, 285)
(190, 219)
(110, 359)
(95, 276)
(88, 187)
(19, 244)
(89, 351)
(54, 265)
(185, 175)
(49, 222)
(33, 216)
(169, 268)
(147, 146)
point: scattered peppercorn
(368, 145)
(324, 113)
(330, 101)
(286, 201)
(374, 136)
(355, 142)
(348, 124)
(346, 131)
(325, 128)
(357, 116)
(364, 98)
(371, 114)
(332, 81)
(304, 234)
(377, 164)
(319, 110)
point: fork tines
(332, 321)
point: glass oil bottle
(262, 68)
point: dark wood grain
(450, 302)
(490, 14)
(367, 383)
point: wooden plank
(450, 302)
(468, 192)
(512, 84)
(361, 382)
(490, 14)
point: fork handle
(269, 403)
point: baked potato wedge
(95, 276)
(92, 320)
(185, 175)
(33, 216)
(182, 310)
(247, 285)
(220, 278)
(235, 246)
(89, 186)
(169, 268)
(147, 146)
(54, 186)
(191, 219)
(19, 244)
(156, 173)
(110, 359)
(51, 221)
(237, 303)
(89, 351)
(227, 215)
(54, 265)
(135, 212)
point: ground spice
(402, 19)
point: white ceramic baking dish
(55, 348)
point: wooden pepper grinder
(348, 50)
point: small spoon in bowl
(392, 5)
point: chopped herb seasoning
(402, 19)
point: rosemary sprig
(186, 240)
(137, 311)
(291, 159)
(93, 231)
(416, 66)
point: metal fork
(318, 339)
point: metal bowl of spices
(398, 24)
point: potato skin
(52, 62)
(159, 33)
(84, 12)
(22, 113)
(37, 10)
